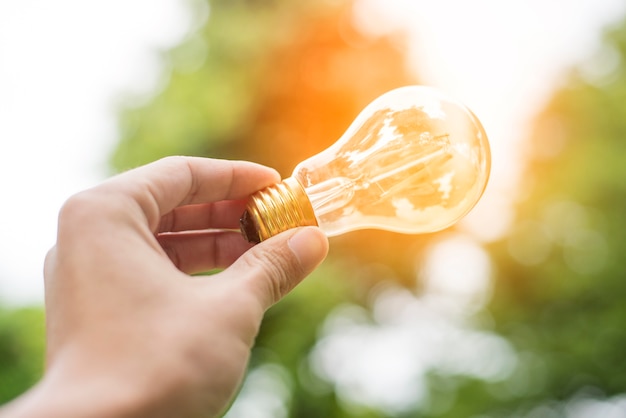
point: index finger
(163, 185)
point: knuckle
(49, 264)
(79, 211)
(85, 210)
(173, 160)
(77, 206)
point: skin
(129, 332)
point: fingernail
(310, 246)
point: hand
(130, 332)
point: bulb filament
(380, 171)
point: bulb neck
(275, 209)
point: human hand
(129, 331)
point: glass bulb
(413, 161)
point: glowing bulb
(414, 161)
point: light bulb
(413, 161)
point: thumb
(274, 267)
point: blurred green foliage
(561, 279)
(21, 350)
(560, 272)
(277, 81)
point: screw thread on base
(276, 209)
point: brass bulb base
(276, 209)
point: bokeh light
(516, 311)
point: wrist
(97, 398)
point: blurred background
(514, 312)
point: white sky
(64, 63)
